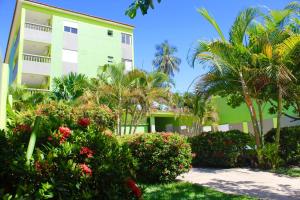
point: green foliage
(221, 149)
(81, 163)
(289, 149)
(161, 157)
(269, 156)
(143, 5)
(70, 87)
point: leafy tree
(143, 5)
(70, 87)
(165, 60)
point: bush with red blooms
(161, 156)
(223, 149)
(69, 161)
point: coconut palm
(70, 87)
(165, 61)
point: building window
(70, 56)
(126, 38)
(110, 59)
(71, 29)
(110, 33)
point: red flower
(134, 188)
(84, 122)
(65, 132)
(50, 138)
(86, 151)
(85, 169)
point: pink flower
(50, 138)
(86, 151)
(85, 169)
(84, 122)
(65, 131)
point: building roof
(78, 13)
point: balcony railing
(38, 27)
(36, 58)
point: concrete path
(263, 185)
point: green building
(47, 42)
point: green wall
(229, 115)
(94, 45)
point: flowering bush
(72, 159)
(221, 149)
(161, 157)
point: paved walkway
(263, 185)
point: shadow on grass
(186, 191)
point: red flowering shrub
(221, 149)
(68, 161)
(161, 157)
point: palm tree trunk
(260, 113)
(125, 122)
(251, 108)
(279, 113)
(132, 119)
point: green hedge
(222, 149)
(161, 157)
(289, 144)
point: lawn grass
(186, 191)
(293, 171)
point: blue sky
(174, 20)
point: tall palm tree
(230, 58)
(70, 87)
(165, 61)
(273, 43)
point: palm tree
(274, 44)
(70, 87)
(165, 61)
(230, 59)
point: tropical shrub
(57, 113)
(289, 149)
(74, 157)
(269, 156)
(221, 149)
(161, 157)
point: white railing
(36, 90)
(38, 27)
(36, 58)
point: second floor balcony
(36, 64)
(38, 32)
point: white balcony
(38, 27)
(38, 32)
(36, 64)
